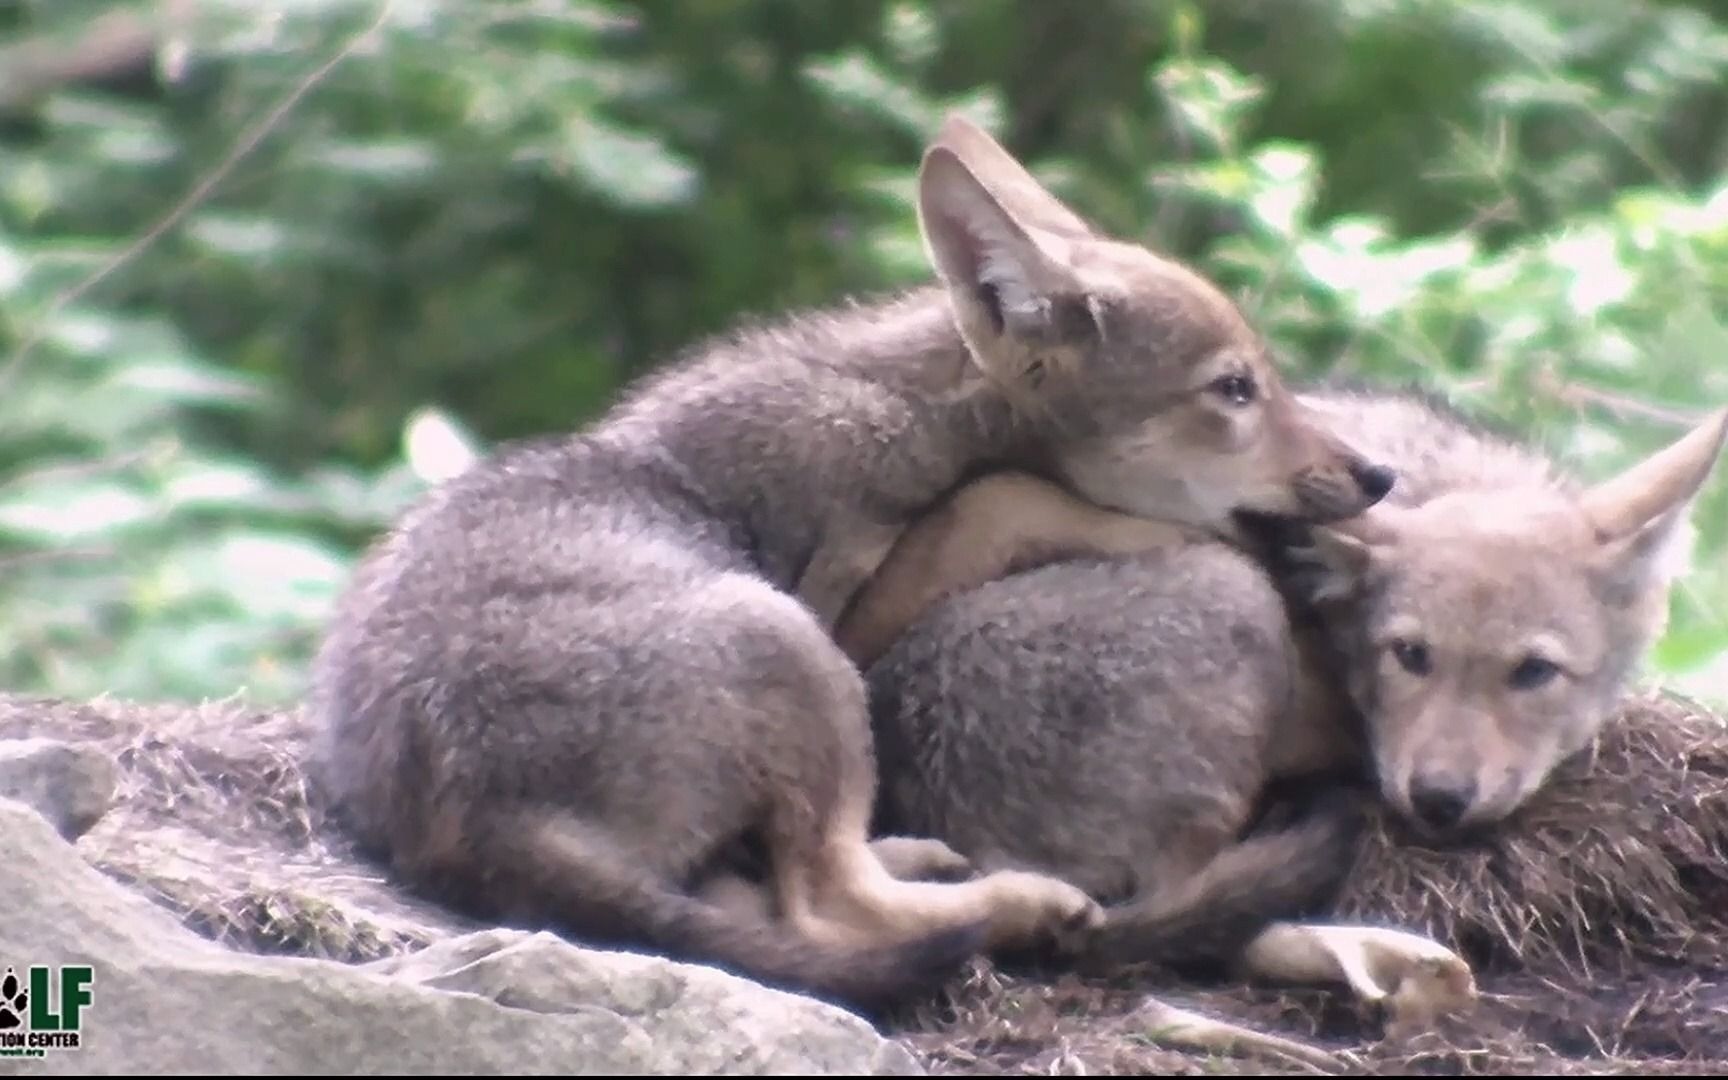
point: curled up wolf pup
(568, 685)
(1060, 704)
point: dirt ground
(1597, 922)
(1650, 1022)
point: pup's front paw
(1414, 980)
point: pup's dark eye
(1412, 656)
(1236, 389)
(1532, 672)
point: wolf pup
(1066, 706)
(581, 674)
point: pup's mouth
(1263, 526)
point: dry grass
(1673, 1023)
(212, 820)
(1622, 861)
(1598, 922)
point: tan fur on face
(1268, 455)
(1495, 628)
(1486, 582)
(1116, 353)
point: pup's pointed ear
(1335, 564)
(1008, 180)
(1637, 514)
(1002, 276)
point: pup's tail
(1207, 920)
(558, 874)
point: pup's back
(1038, 688)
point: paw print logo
(14, 1000)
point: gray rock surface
(72, 785)
(713, 1022)
(165, 1000)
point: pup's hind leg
(741, 898)
(828, 878)
(848, 886)
(909, 858)
(847, 882)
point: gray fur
(1110, 721)
(1116, 719)
(573, 681)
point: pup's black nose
(1374, 480)
(1441, 804)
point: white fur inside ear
(1021, 304)
(1650, 560)
(1095, 308)
(975, 243)
(1000, 256)
(1671, 557)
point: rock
(682, 1005)
(71, 785)
(164, 1000)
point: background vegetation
(266, 268)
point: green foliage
(483, 219)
